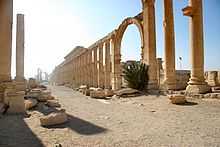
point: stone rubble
(54, 118)
(177, 99)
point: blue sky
(54, 27)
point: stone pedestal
(149, 51)
(197, 82)
(20, 85)
(6, 19)
(15, 100)
(169, 40)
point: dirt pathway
(137, 122)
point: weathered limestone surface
(15, 100)
(54, 118)
(20, 48)
(107, 66)
(168, 24)
(197, 82)
(6, 18)
(100, 67)
(30, 103)
(177, 99)
(149, 53)
(212, 78)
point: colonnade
(100, 65)
(91, 67)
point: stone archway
(116, 52)
(122, 28)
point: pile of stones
(41, 98)
(100, 93)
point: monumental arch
(90, 68)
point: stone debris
(109, 93)
(97, 94)
(177, 99)
(30, 103)
(54, 118)
(127, 92)
(53, 103)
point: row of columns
(194, 11)
(6, 23)
(92, 67)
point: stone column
(100, 67)
(149, 52)
(107, 65)
(116, 64)
(197, 82)
(77, 71)
(169, 40)
(95, 74)
(6, 20)
(90, 67)
(20, 48)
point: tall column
(20, 48)
(116, 65)
(100, 67)
(197, 82)
(169, 40)
(6, 19)
(90, 68)
(149, 52)
(107, 65)
(95, 74)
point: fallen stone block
(177, 99)
(44, 96)
(53, 103)
(127, 92)
(30, 103)
(33, 94)
(54, 118)
(87, 92)
(109, 93)
(97, 94)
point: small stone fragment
(30, 103)
(177, 99)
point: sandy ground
(132, 122)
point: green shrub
(136, 74)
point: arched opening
(130, 43)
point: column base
(169, 85)
(20, 85)
(15, 102)
(197, 89)
(152, 85)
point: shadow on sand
(80, 126)
(76, 124)
(189, 104)
(14, 132)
